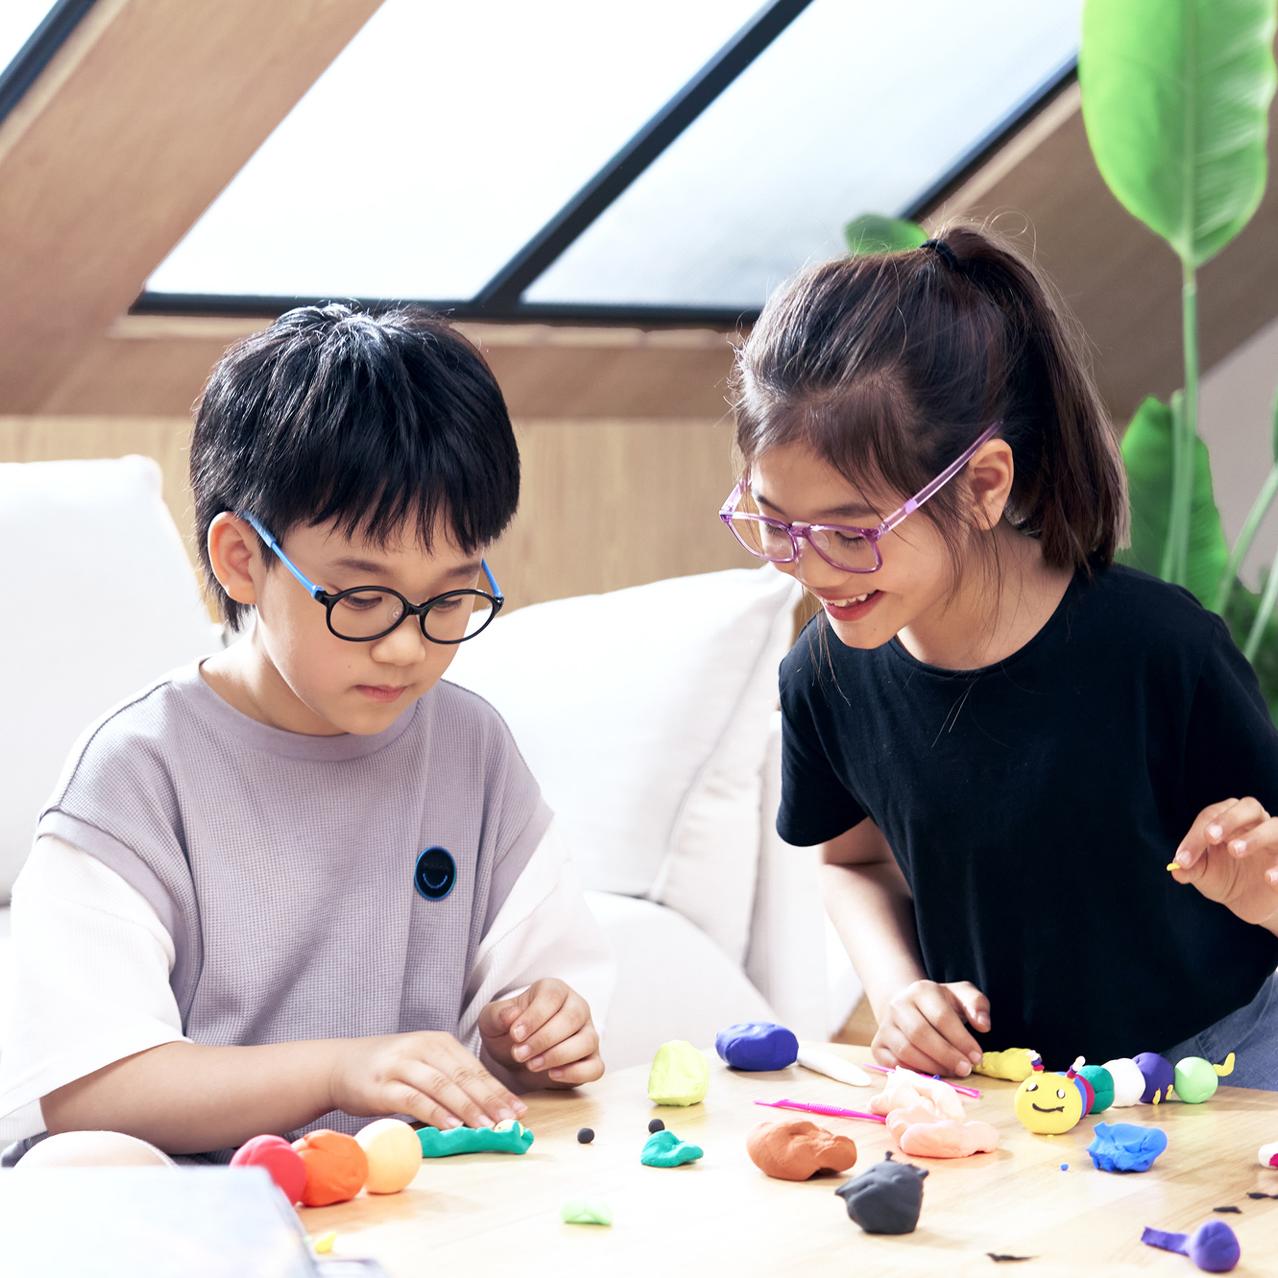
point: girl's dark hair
(370, 420)
(889, 365)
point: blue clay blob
(1125, 1147)
(757, 1045)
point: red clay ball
(281, 1161)
(336, 1167)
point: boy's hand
(923, 1028)
(428, 1075)
(1231, 856)
(546, 1029)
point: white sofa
(647, 714)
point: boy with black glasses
(306, 881)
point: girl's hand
(428, 1075)
(1231, 856)
(923, 1028)
(546, 1029)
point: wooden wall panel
(605, 503)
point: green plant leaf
(874, 233)
(1175, 102)
(1147, 454)
(1240, 615)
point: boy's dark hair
(889, 365)
(370, 420)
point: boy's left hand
(1231, 856)
(545, 1030)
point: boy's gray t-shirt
(285, 866)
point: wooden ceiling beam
(150, 365)
(1122, 281)
(142, 117)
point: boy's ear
(989, 476)
(235, 557)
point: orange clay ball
(394, 1154)
(336, 1167)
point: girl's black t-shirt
(1033, 807)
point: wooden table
(721, 1217)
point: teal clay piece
(665, 1149)
(504, 1138)
(680, 1075)
(581, 1211)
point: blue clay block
(1125, 1147)
(757, 1045)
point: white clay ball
(1268, 1156)
(1129, 1082)
(93, 1149)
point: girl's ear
(989, 475)
(234, 556)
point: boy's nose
(403, 646)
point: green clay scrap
(504, 1138)
(680, 1075)
(665, 1149)
(582, 1211)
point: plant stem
(1263, 613)
(1185, 428)
(1255, 517)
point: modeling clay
(1196, 1079)
(886, 1199)
(394, 1154)
(503, 1138)
(585, 1135)
(665, 1149)
(798, 1151)
(1048, 1104)
(282, 1163)
(757, 1045)
(1158, 1074)
(1213, 1247)
(1016, 1064)
(582, 1211)
(1129, 1082)
(1125, 1147)
(336, 1167)
(680, 1075)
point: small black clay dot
(656, 1125)
(585, 1136)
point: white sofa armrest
(795, 959)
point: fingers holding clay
(503, 1138)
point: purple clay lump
(1213, 1248)
(1158, 1074)
(757, 1045)
(656, 1125)
(585, 1136)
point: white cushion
(672, 982)
(644, 714)
(100, 599)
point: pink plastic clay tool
(833, 1110)
(962, 1091)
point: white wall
(1236, 421)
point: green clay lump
(665, 1149)
(504, 1138)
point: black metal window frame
(502, 298)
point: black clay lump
(886, 1199)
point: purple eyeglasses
(842, 546)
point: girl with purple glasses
(1000, 737)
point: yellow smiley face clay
(1048, 1104)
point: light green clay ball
(1196, 1080)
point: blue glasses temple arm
(492, 581)
(315, 591)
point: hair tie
(944, 252)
